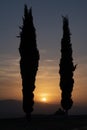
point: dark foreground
(45, 123)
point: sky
(48, 23)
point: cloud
(9, 69)
(42, 51)
(48, 69)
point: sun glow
(44, 99)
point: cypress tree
(29, 60)
(67, 68)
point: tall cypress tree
(29, 60)
(66, 68)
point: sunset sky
(48, 23)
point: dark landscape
(45, 122)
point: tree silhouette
(29, 60)
(66, 68)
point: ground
(45, 122)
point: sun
(44, 99)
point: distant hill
(45, 108)
(13, 108)
(10, 108)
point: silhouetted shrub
(59, 112)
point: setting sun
(44, 99)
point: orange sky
(47, 82)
